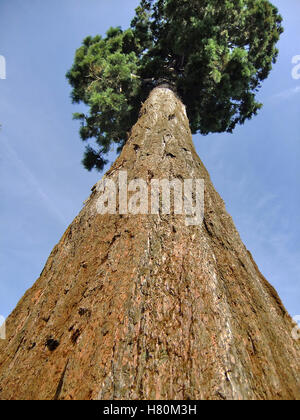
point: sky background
(43, 184)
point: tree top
(214, 53)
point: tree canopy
(214, 53)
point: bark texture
(145, 307)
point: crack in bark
(60, 383)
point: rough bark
(145, 307)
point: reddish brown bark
(145, 307)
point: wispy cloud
(33, 181)
(286, 94)
(264, 201)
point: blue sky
(43, 185)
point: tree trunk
(145, 307)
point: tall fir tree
(141, 306)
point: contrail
(32, 180)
